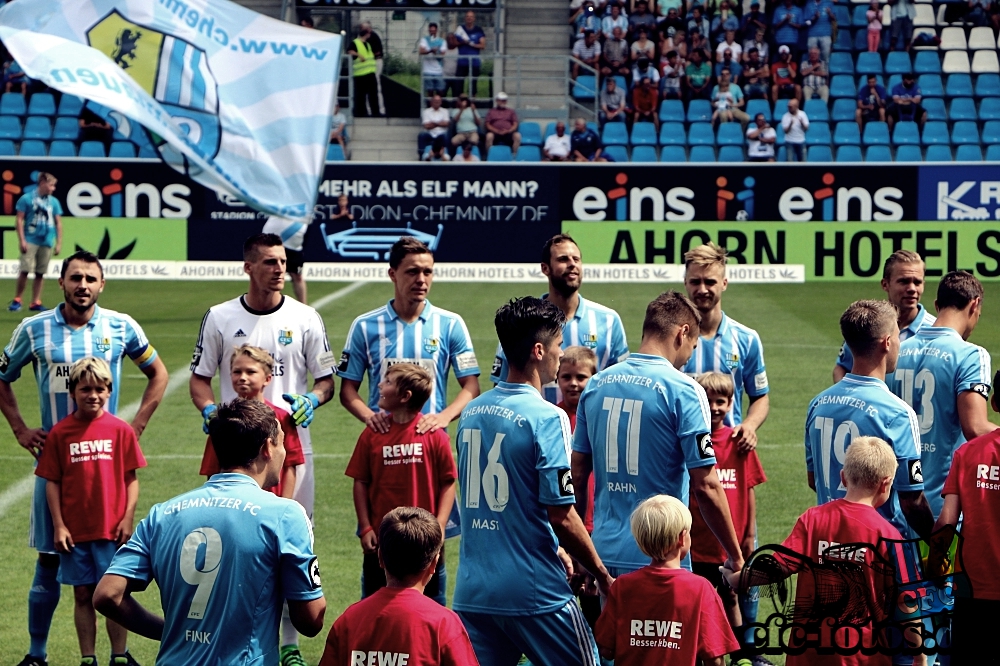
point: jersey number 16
(493, 480)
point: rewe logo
(592, 203)
(116, 200)
(950, 204)
(797, 204)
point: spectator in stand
(698, 22)
(905, 105)
(645, 100)
(94, 128)
(730, 44)
(724, 22)
(787, 22)
(978, 12)
(467, 122)
(471, 42)
(613, 107)
(338, 127)
(365, 78)
(672, 20)
(815, 80)
(557, 146)
(435, 120)
(871, 103)
(431, 47)
(874, 18)
(728, 100)
(753, 21)
(614, 19)
(643, 48)
(698, 77)
(305, 21)
(585, 143)
(615, 56)
(796, 124)
(784, 74)
(759, 43)
(663, 7)
(375, 42)
(586, 51)
(436, 152)
(585, 18)
(644, 70)
(727, 62)
(819, 19)
(760, 140)
(501, 125)
(14, 77)
(756, 79)
(676, 41)
(641, 18)
(901, 15)
(699, 42)
(670, 81)
(466, 154)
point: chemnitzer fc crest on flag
(237, 101)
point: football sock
(42, 601)
(289, 636)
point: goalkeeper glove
(302, 407)
(208, 414)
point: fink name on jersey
(655, 633)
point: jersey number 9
(205, 575)
(493, 480)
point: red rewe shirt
(738, 472)
(659, 616)
(398, 626)
(89, 459)
(293, 448)
(588, 520)
(818, 529)
(402, 468)
(975, 478)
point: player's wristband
(366, 531)
(208, 414)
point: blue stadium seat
(962, 108)
(702, 154)
(927, 62)
(894, 80)
(843, 110)
(701, 134)
(988, 85)
(61, 148)
(38, 127)
(819, 153)
(641, 154)
(127, 149)
(615, 134)
(898, 62)
(934, 106)
(991, 132)
(672, 134)
(930, 85)
(868, 63)
(32, 148)
(780, 109)
(67, 129)
(70, 106)
(755, 106)
(989, 109)
(847, 133)
(7, 148)
(528, 154)
(334, 153)
(935, 132)
(909, 154)
(849, 153)
(906, 132)
(938, 154)
(699, 111)
(843, 17)
(876, 134)
(731, 154)
(843, 86)
(10, 128)
(841, 63)
(12, 104)
(969, 153)
(965, 132)
(673, 154)
(993, 153)
(42, 104)
(878, 154)
(672, 111)
(959, 85)
(780, 138)
(147, 151)
(92, 149)
(621, 82)
(858, 17)
(818, 134)
(643, 134)
(860, 41)
(843, 42)
(584, 88)
(616, 153)
(550, 129)
(500, 154)
(816, 110)
(531, 134)
(730, 134)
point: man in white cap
(501, 125)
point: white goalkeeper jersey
(293, 333)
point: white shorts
(305, 485)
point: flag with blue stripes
(237, 101)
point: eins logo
(797, 204)
(593, 203)
(114, 199)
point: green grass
(797, 323)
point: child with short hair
(398, 623)
(89, 460)
(663, 593)
(401, 467)
(250, 370)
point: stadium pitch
(797, 324)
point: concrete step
(384, 133)
(539, 16)
(386, 122)
(393, 154)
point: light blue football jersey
(593, 326)
(437, 340)
(736, 350)
(923, 318)
(935, 366)
(854, 407)
(513, 460)
(225, 557)
(51, 347)
(645, 424)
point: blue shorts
(86, 563)
(41, 533)
(561, 637)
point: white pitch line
(329, 298)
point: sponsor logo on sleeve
(466, 361)
(345, 359)
(4, 362)
(916, 472)
(326, 360)
(982, 389)
(760, 380)
(565, 483)
(497, 366)
(314, 573)
(705, 449)
(196, 357)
